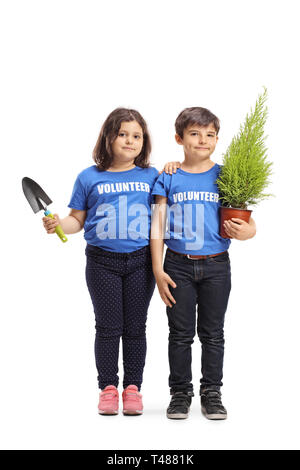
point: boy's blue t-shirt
(118, 205)
(193, 211)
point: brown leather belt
(197, 256)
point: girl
(112, 201)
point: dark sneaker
(179, 406)
(211, 405)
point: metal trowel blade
(33, 193)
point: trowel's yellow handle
(58, 229)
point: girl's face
(129, 142)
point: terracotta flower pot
(226, 213)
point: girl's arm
(73, 223)
(158, 225)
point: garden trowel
(38, 201)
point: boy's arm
(170, 167)
(239, 229)
(158, 225)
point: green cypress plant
(245, 172)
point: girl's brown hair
(102, 153)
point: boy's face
(198, 141)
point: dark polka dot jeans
(121, 286)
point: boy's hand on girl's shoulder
(163, 280)
(170, 167)
(239, 229)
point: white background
(65, 66)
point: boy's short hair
(195, 115)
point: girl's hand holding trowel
(38, 201)
(73, 223)
(51, 224)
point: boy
(197, 265)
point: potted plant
(245, 171)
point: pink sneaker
(132, 401)
(109, 401)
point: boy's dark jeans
(204, 283)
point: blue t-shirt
(118, 205)
(193, 211)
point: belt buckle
(198, 257)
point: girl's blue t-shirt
(193, 211)
(118, 206)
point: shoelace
(108, 395)
(134, 395)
